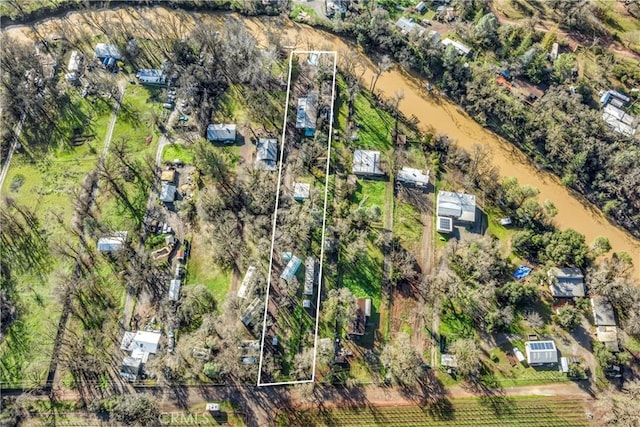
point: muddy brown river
(435, 113)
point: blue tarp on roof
(521, 272)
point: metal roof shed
(301, 191)
(167, 193)
(267, 154)
(291, 269)
(309, 275)
(541, 352)
(174, 290)
(603, 314)
(566, 282)
(113, 242)
(366, 162)
(219, 132)
(411, 176)
(247, 283)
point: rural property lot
(291, 316)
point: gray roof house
(452, 206)
(113, 242)
(291, 269)
(130, 368)
(167, 193)
(460, 47)
(603, 314)
(541, 353)
(151, 76)
(307, 113)
(566, 282)
(366, 162)
(407, 26)
(220, 132)
(267, 154)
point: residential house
(541, 353)
(167, 192)
(130, 368)
(248, 316)
(73, 68)
(407, 26)
(363, 312)
(267, 154)
(222, 133)
(113, 242)
(421, 7)
(246, 287)
(151, 76)
(309, 275)
(603, 313)
(452, 207)
(566, 283)
(174, 290)
(307, 113)
(143, 341)
(291, 269)
(460, 47)
(301, 191)
(413, 177)
(613, 103)
(107, 50)
(366, 163)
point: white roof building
(301, 191)
(619, 121)
(366, 162)
(75, 60)
(411, 176)
(452, 206)
(461, 48)
(541, 352)
(113, 242)
(220, 132)
(174, 290)
(309, 275)
(247, 283)
(141, 341)
(107, 50)
(151, 76)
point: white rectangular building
(541, 353)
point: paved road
(12, 149)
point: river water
(435, 113)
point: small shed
(168, 175)
(444, 224)
(151, 76)
(448, 360)
(363, 312)
(141, 341)
(301, 191)
(213, 407)
(541, 353)
(249, 314)
(220, 132)
(608, 335)
(174, 290)
(107, 50)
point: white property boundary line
(324, 219)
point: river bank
(435, 113)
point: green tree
(486, 31)
(468, 356)
(566, 248)
(563, 67)
(339, 308)
(568, 317)
(402, 360)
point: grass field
(46, 187)
(407, 225)
(370, 193)
(178, 151)
(498, 411)
(200, 270)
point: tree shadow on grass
(429, 394)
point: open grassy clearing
(46, 187)
(178, 152)
(497, 411)
(407, 225)
(370, 193)
(376, 125)
(200, 270)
